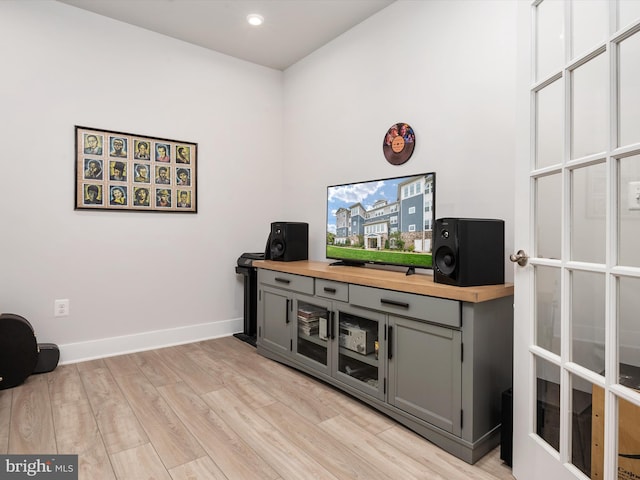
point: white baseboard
(109, 347)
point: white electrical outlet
(61, 308)
(633, 196)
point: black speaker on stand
(288, 242)
(468, 251)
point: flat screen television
(388, 221)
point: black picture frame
(131, 172)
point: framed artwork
(125, 171)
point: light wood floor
(215, 410)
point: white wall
(448, 69)
(134, 280)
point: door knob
(520, 258)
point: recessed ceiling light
(255, 19)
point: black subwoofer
(468, 251)
(506, 430)
(288, 241)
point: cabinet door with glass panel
(313, 332)
(359, 358)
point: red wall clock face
(398, 144)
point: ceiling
(292, 28)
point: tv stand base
(346, 263)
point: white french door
(577, 301)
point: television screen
(388, 221)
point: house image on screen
(403, 224)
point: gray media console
(435, 358)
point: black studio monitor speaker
(468, 252)
(288, 242)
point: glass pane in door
(581, 424)
(588, 320)
(312, 333)
(628, 440)
(549, 107)
(548, 201)
(629, 331)
(628, 91)
(629, 211)
(548, 402)
(628, 11)
(597, 433)
(358, 348)
(589, 23)
(589, 103)
(550, 45)
(547, 313)
(588, 208)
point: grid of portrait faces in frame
(121, 171)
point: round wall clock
(398, 144)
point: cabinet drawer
(297, 283)
(430, 309)
(333, 290)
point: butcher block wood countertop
(419, 283)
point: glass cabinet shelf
(312, 332)
(358, 349)
(370, 359)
